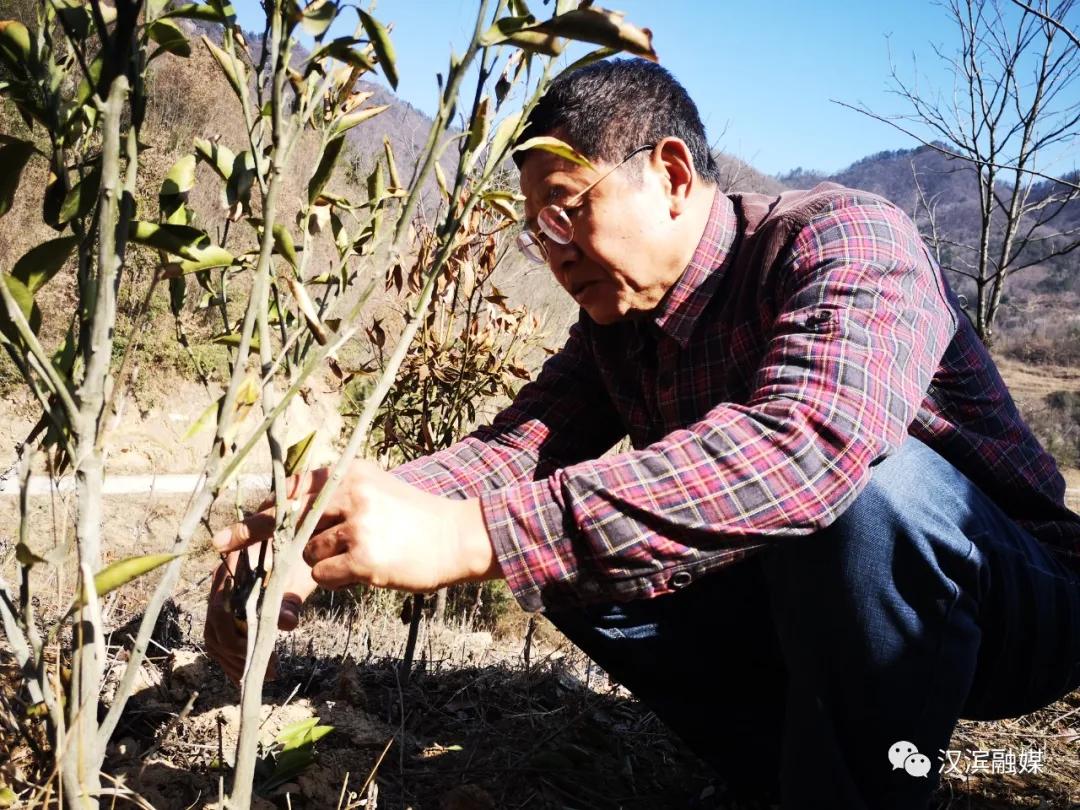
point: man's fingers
(335, 572)
(252, 529)
(325, 544)
(303, 484)
(289, 615)
(224, 651)
(260, 526)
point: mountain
(949, 187)
(896, 175)
(737, 175)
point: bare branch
(1056, 23)
(937, 147)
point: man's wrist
(475, 549)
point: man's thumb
(289, 615)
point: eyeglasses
(554, 220)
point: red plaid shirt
(755, 402)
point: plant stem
(84, 754)
(254, 676)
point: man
(834, 536)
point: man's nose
(561, 257)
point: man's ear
(672, 157)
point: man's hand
(226, 640)
(381, 531)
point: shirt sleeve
(561, 418)
(861, 327)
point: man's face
(620, 261)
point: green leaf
(233, 339)
(440, 180)
(39, 264)
(180, 240)
(168, 35)
(296, 456)
(235, 73)
(225, 10)
(307, 309)
(589, 58)
(80, 199)
(503, 207)
(326, 167)
(24, 300)
(174, 189)
(63, 359)
(206, 418)
(504, 28)
(556, 147)
(283, 241)
(124, 571)
(376, 186)
(384, 48)
(208, 258)
(391, 164)
(347, 122)
(601, 27)
(295, 733)
(86, 87)
(318, 733)
(343, 50)
(52, 201)
(342, 240)
(478, 131)
(14, 156)
(317, 17)
(16, 48)
(190, 244)
(241, 180)
(286, 767)
(504, 134)
(219, 158)
(180, 178)
(503, 194)
(75, 16)
(590, 24)
(522, 32)
(195, 11)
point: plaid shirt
(756, 399)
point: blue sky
(761, 73)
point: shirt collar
(677, 313)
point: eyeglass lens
(555, 223)
(530, 248)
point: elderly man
(834, 534)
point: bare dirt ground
(1027, 382)
(474, 728)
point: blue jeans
(798, 670)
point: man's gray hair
(609, 108)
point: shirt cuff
(534, 544)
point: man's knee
(906, 528)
